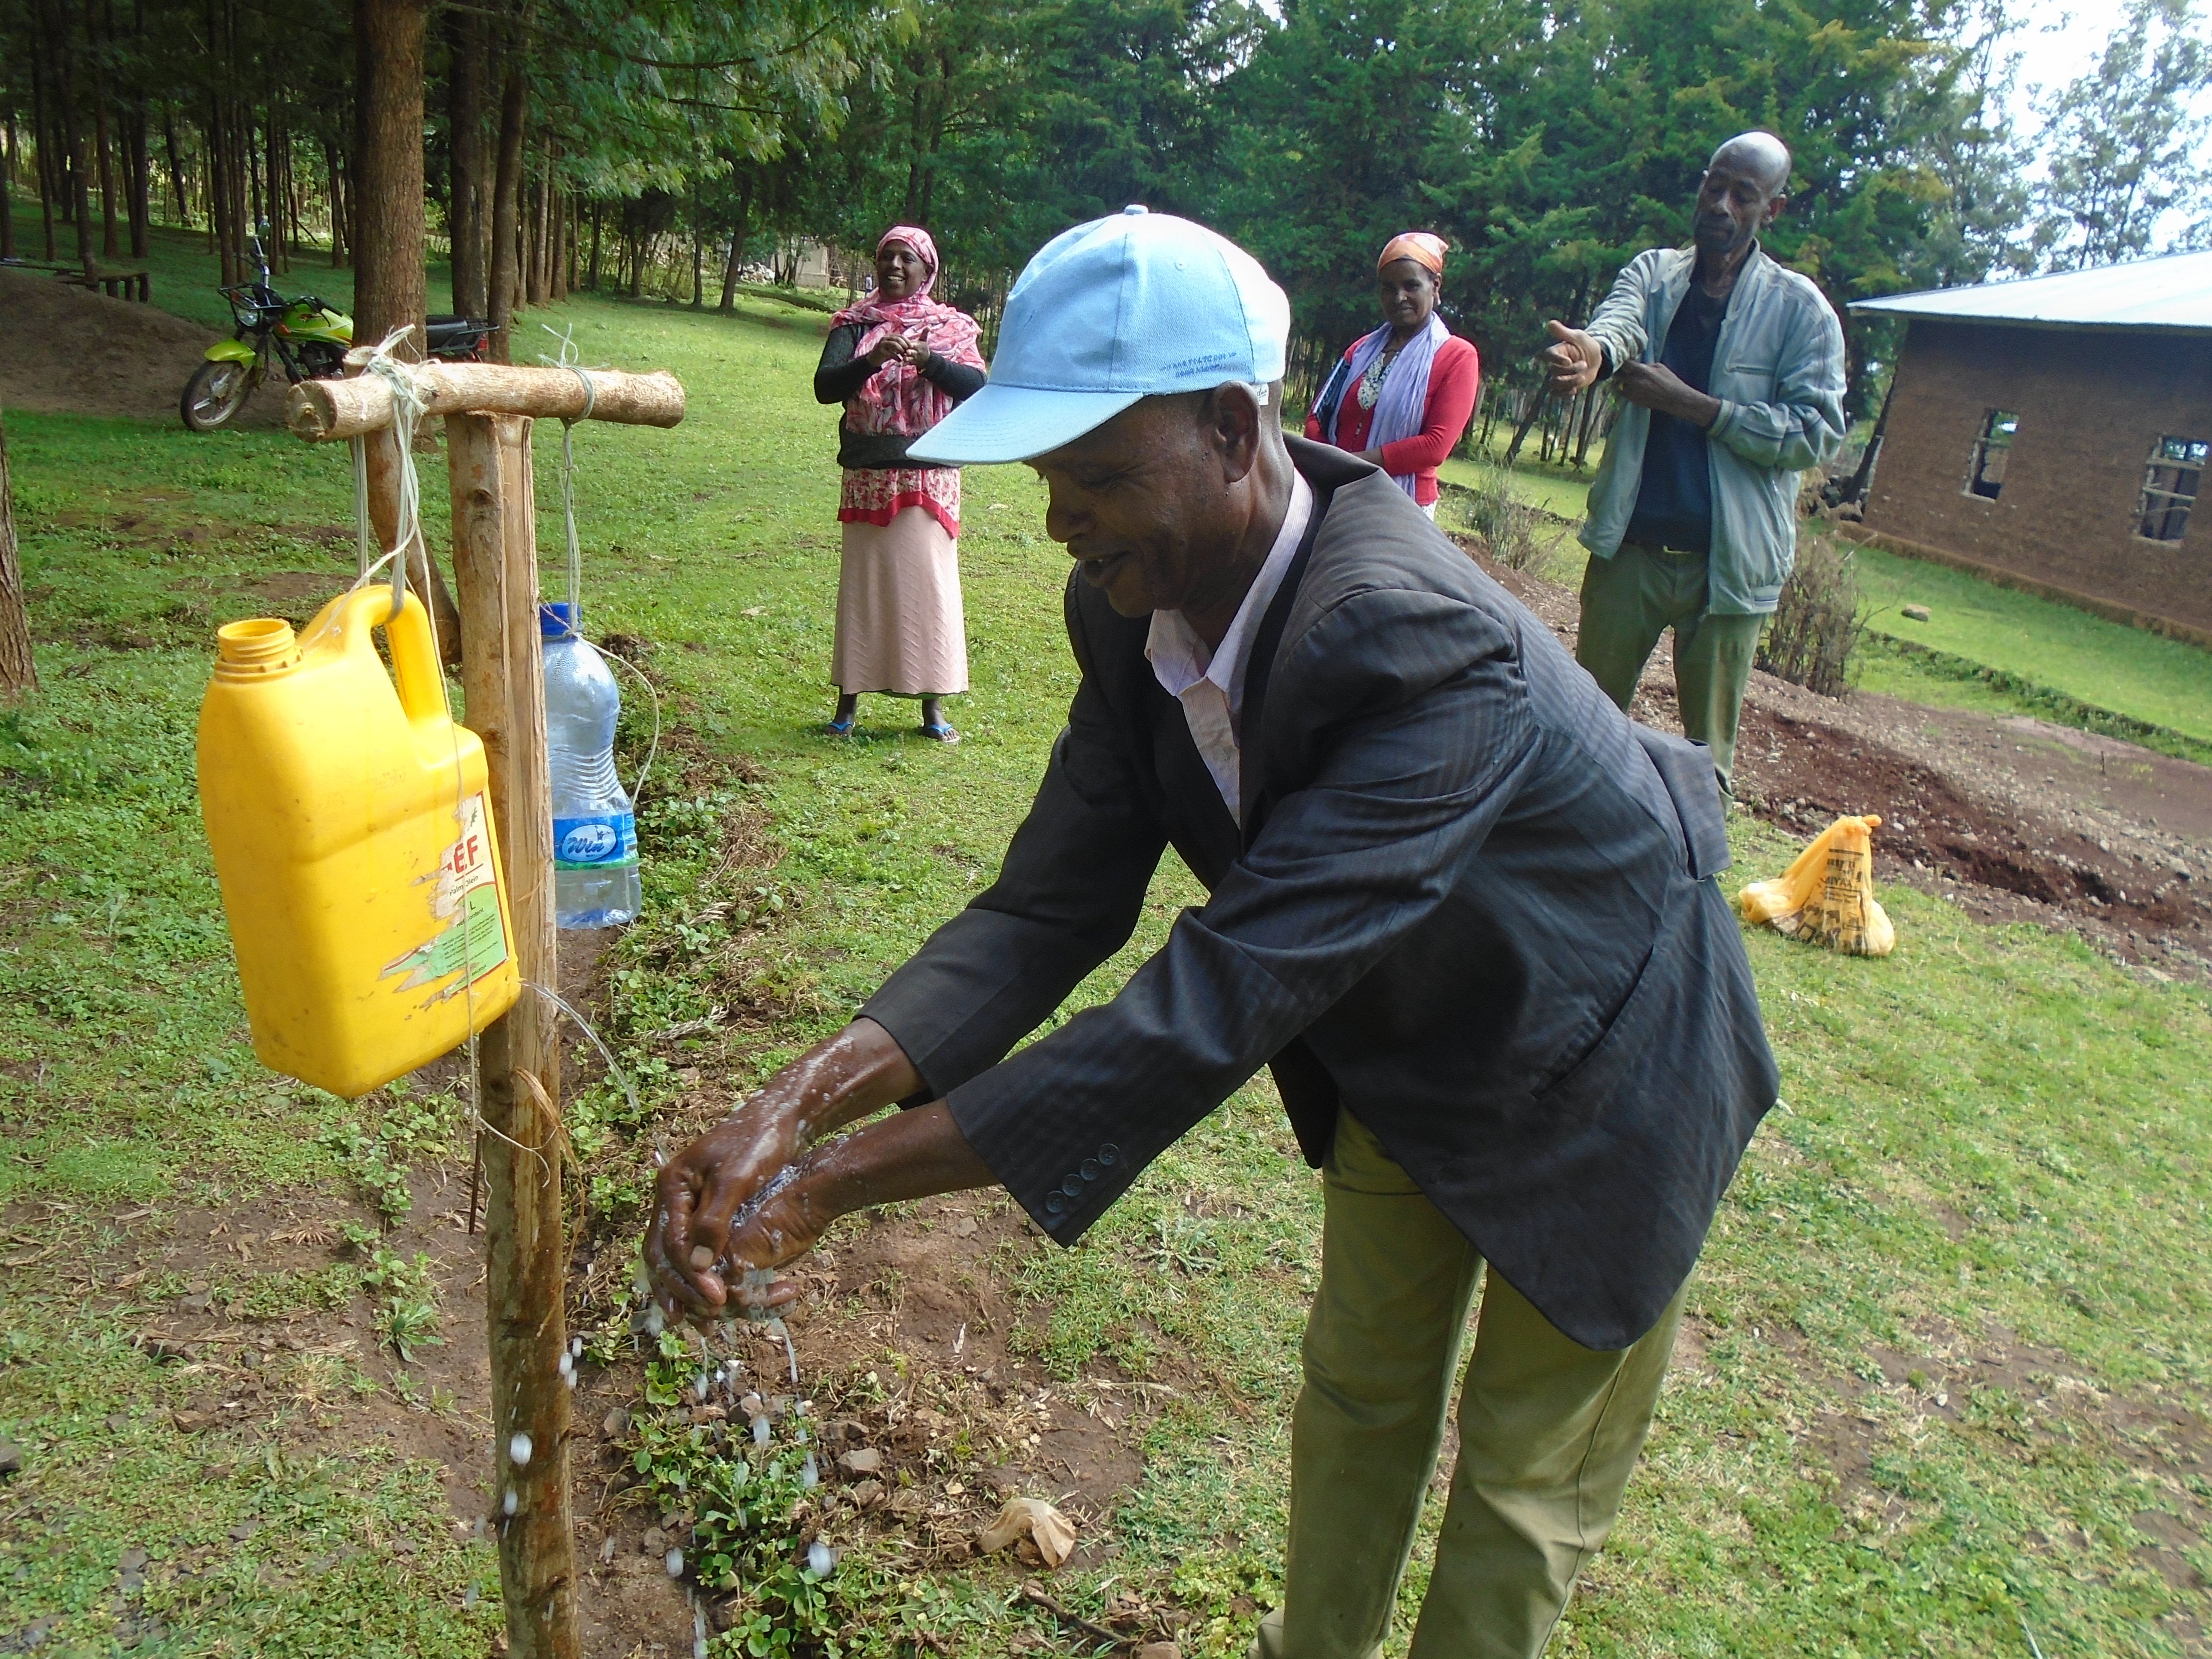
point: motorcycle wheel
(216, 391)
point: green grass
(2128, 671)
(1993, 1140)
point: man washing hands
(1458, 904)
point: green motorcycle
(305, 337)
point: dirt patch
(66, 350)
(2010, 819)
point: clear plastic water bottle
(594, 833)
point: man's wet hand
(700, 1192)
(1572, 361)
(697, 1195)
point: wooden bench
(115, 284)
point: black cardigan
(841, 373)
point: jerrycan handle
(414, 658)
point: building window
(1986, 472)
(2170, 488)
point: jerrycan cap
(254, 648)
(553, 622)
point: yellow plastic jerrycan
(353, 838)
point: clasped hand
(897, 349)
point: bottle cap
(553, 622)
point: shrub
(1816, 626)
(1508, 525)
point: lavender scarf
(1404, 404)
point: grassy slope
(1993, 1136)
(2104, 663)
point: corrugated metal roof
(2172, 294)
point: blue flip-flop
(940, 732)
(842, 728)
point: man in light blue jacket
(1732, 369)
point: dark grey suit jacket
(1470, 902)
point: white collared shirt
(1210, 685)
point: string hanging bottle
(595, 874)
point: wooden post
(488, 410)
(519, 1057)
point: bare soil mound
(66, 350)
(2010, 819)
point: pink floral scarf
(898, 398)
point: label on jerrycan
(466, 898)
(595, 840)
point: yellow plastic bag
(1827, 897)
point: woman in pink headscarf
(1402, 397)
(899, 362)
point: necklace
(1370, 384)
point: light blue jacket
(1778, 373)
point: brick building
(2056, 430)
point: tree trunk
(70, 126)
(465, 33)
(698, 260)
(103, 138)
(507, 195)
(736, 258)
(138, 175)
(274, 191)
(1520, 432)
(42, 135)
(390, 286)
(8, 188)
(176, 165)
(18, 672)
(598, 219)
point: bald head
(1758, 152)
(1739, 197)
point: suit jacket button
(1055, 1204)
(1108, 1153)
(1090, 1170)
(1072, 1186)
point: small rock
(11, 1459)
(653, 1543)
(867, 1461)
(964, 1228)
(243, 1530)
(189, 1422)
(132, 1570)
(195, 1302)
(1915, 613)
(867, 1494)
(1159, 1650)
(615, 1423)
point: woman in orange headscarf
(1402, 397)
(899, 362)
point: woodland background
(675, 147)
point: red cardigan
(1454, 373)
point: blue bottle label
(587, 843)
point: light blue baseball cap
(1129, 307)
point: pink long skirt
(899, 623)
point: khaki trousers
(1638, 594)
(1549, 1431)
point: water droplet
(810, 1476)
(760, 1430)
(469, 1597)
(674, 1563)
(576, 1347)
(567, 1366)
(508, 1504)
(655, 1320)
(821, 1559)
(518, 1449)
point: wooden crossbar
(323, 410)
